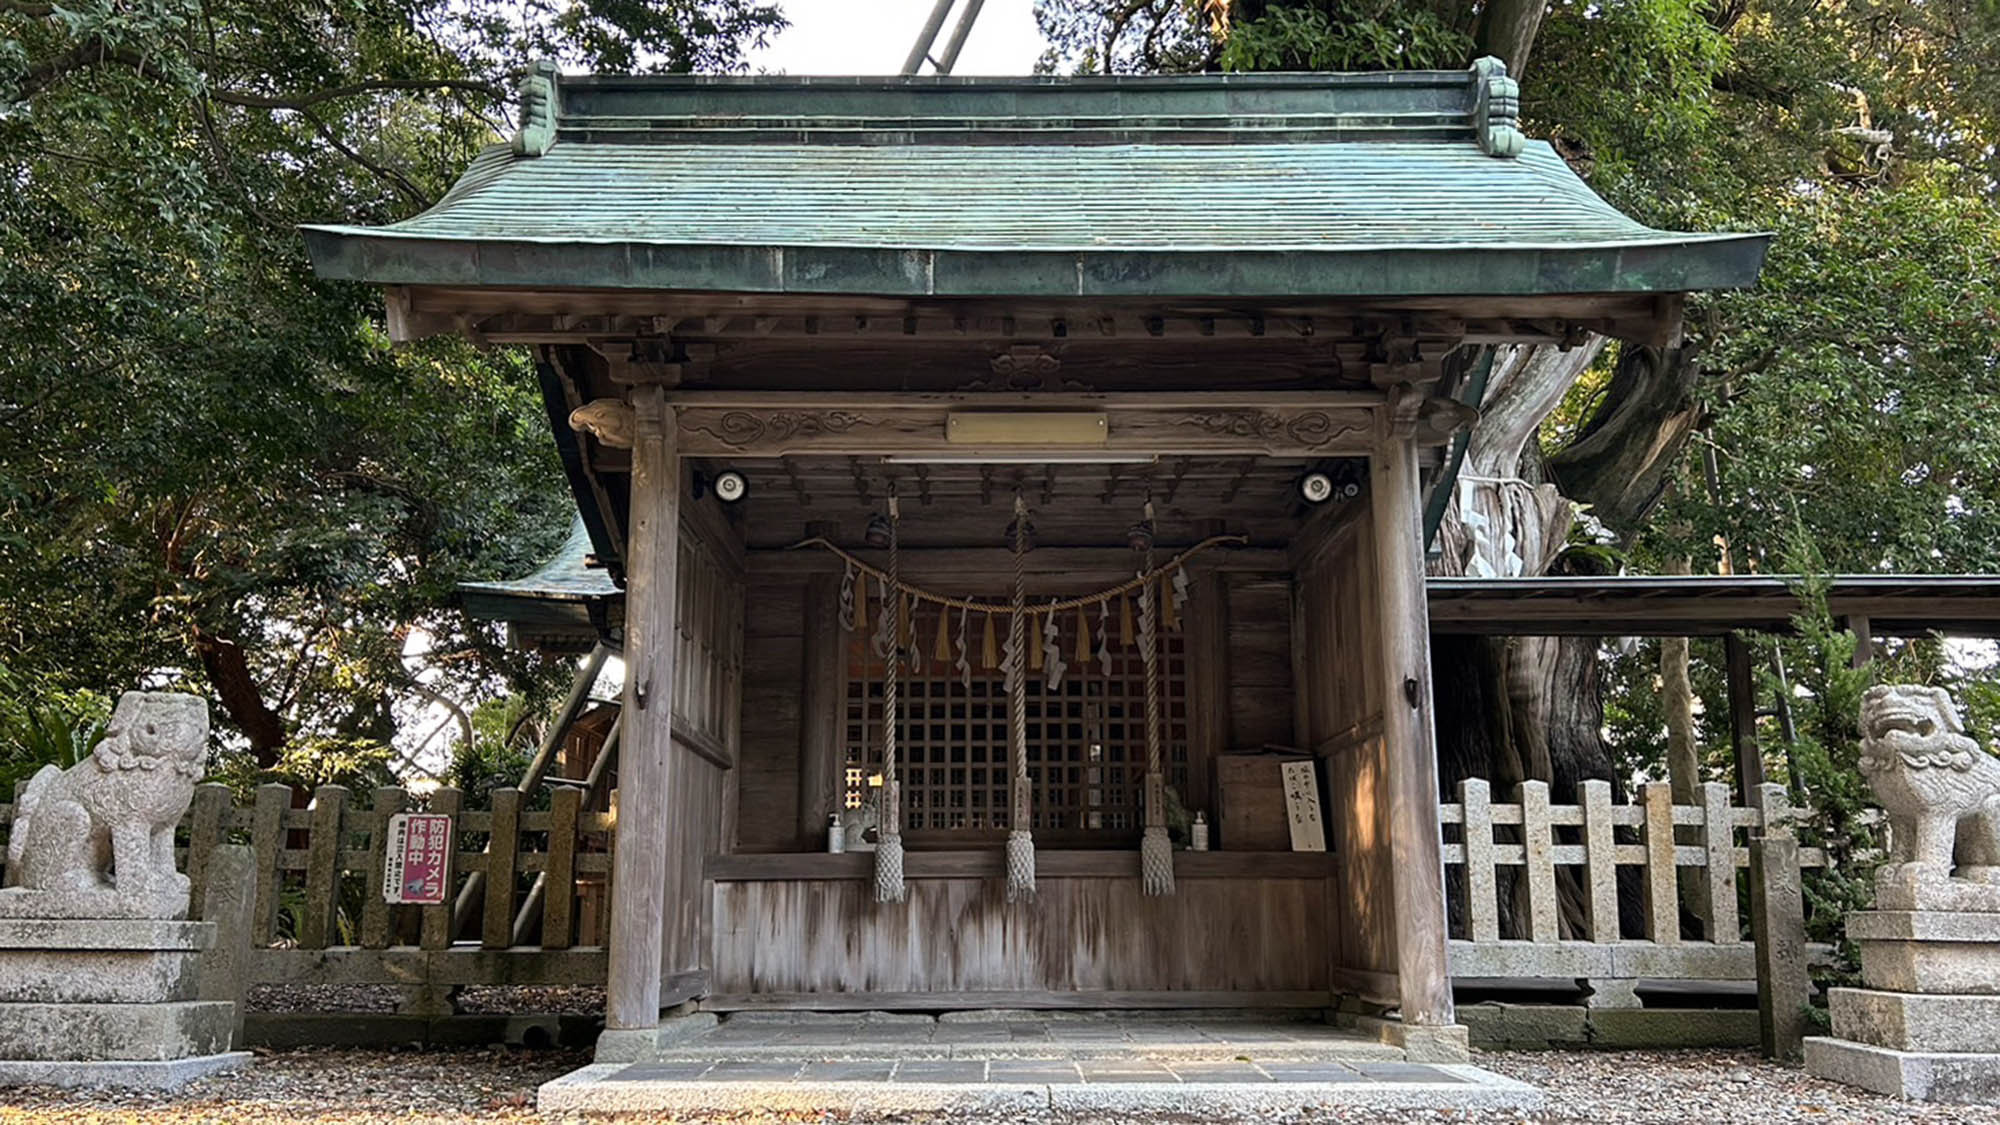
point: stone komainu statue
(1942, 794)
(97, 840)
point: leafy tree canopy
(214, 470)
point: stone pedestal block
(1919, 1076)
(108, 1002)
(1937, 1022)
(1927, 1027)
(1928, 951)
(123, 961)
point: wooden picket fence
(319, 916)
(1532, 842)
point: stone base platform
(1209, 1069)
(109, 1002)
(134, 1074)
(1927, 1026)
(1921, 1076)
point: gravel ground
(478, 999)
(498, 1085)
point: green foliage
(1346, 35)
(1125, 37)
(41, 728)
(214, 467)
(499, 752)
(310, 761)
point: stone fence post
(1778, 925)
(228, 900)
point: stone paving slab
(919, 1085)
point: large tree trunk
(1506, 519)
(1507, 30)
(228, 668)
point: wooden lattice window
(1086, 744)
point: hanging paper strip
(1180, 590)
(847, 617)
(964, 651)
(1104, 637)
(1052, 657)
(885, 622)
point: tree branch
(302, 102)
(394, 178)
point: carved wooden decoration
(1150, 425)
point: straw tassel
(1082, 636)
(1171, 614)
(942, 647)
(1035, 641)
(990, 651)
(1124, 621)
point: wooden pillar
(1403, 661)
(822, 707)
(639, 865)
(1743, 719)
(1864, 639)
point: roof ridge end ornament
(538, 109)
(1496, 109)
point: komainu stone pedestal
(1926, 1026)
(108, 1002)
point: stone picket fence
(1553, 872)
(319, 917)
(1522, 874)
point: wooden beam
(1402, 660)
(639, 865)
(1140, 425)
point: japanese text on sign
(416, 864)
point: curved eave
(1678, 265)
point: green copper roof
(1240, 185)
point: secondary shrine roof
(1268, 185)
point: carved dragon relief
(1309, 429)
(742, 429)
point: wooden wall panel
(1258, 654)
(708, 683)
(773, 680)
(1244, 934)
(1338, 629)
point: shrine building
(1009, 473)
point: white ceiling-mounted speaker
(1317, 488)
(730, 486)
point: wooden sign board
(1302, 806)
(416, 858)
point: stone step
(1212, 1090)
(1355, 1051)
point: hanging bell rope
(1020, 838)
(1156, 851)
(889, 851)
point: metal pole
(922, 48)
(958, 33)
